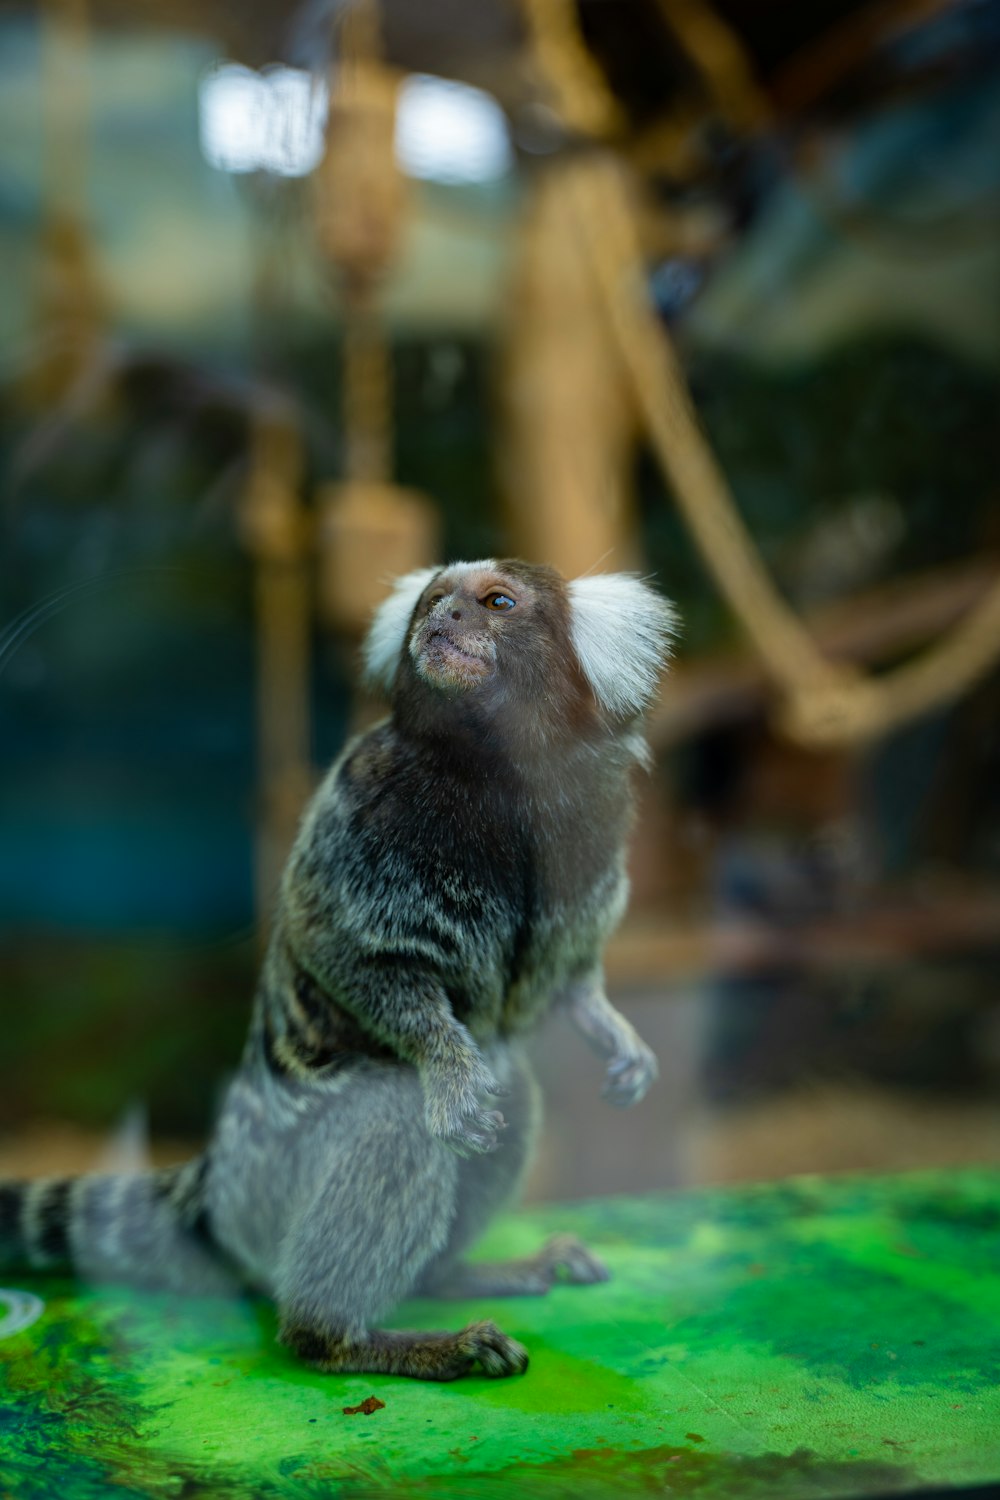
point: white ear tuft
(621, 630)
(387, 634)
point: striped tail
(147, 1228)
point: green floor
(810, 1338)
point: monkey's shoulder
(386, 792)
(391, 826)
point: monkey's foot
(495, 1353)
(422, 1356)
(561, 1258)
(569, 1260)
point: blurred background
(299, 297)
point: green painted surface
(811, 1338)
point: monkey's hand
(630, 1073)
(407, 1009)
(631, 1064)
(456, 1093)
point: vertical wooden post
(72, 305)
(275, 529)
(568, 420)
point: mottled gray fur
(456, 875)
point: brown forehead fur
(541, 581)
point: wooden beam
(878, 625)
(893, 929)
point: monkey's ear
(387, 634)
(622, 631)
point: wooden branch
(890, 931)
(871, 627)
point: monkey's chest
(510, 934)
(557, 944)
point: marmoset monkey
(456, 875)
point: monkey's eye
(435, 598)
(498, 601)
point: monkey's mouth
(441, 660)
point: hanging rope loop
(825, 703)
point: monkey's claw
(478, 1134)
(469, 1131)
(496, 1354)
(456, 1115)
(629, 1076)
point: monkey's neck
(536, 773)
(492, 737)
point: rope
(721, 60)
(367, 400)
(577, 85)
(65, 99)
(361, 216)
(827, 703)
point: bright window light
(450, 132)
(261, 122)
(274, 121)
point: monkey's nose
(456, 614)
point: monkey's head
(516, 638)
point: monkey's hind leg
(382, 1212)
(485, 1184)
(561, 1258)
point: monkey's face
(537, 656)
(469, 621)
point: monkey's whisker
(595, 565)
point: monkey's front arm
(404, 1006)
(631, 1064)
